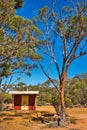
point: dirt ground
(28, 120)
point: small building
(24, 100)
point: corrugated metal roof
(24, 92)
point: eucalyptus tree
(17, 40)
(64, 33)
(17, 43)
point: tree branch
(49, 77)
(79, 55)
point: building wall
(18, 102)
(32, 102)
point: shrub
(4, 98)
(7, 98)
(73, 120)
(68, 102)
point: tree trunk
(62, 103)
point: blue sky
(77, 67)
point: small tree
(79, 90)
(64, 37)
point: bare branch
(79, 55)
(49, 67)
(53, 58)
(49, 77)
(45, 52)
(59, 9)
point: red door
(17, 102)
(32, 103)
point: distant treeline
(75, 92)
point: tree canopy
(18, 37)
(19, 3)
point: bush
(4, 98)
(55, 101)
(73, 120)
(68, 102)
(7, 98)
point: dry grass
(46, 109)
(22, 120)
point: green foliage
(4, 69)
(18, 40)
(18, 3)
(4, 98)
(7, 6)
(1, 34)
(68, 102)
(43, 12)
(21, 84)
(7, 98)
(75, 92)
(79, 90)
(55, 101)
(76, 25)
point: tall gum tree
(65, 35)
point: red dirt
(20, 120)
